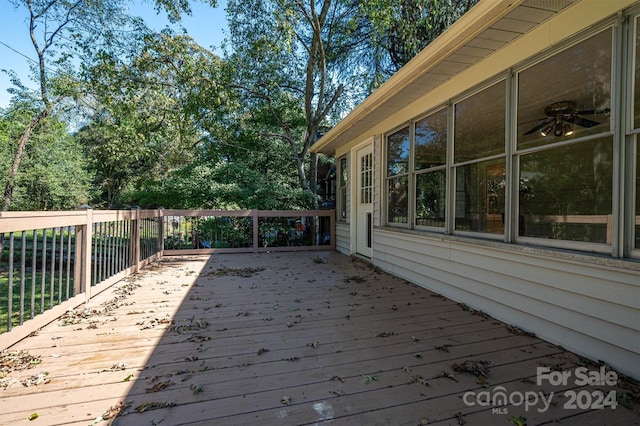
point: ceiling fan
(561, 115)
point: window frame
(456, 165)
(625, 145)
(388, 179)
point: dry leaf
(159, 386)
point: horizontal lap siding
(591, 309)
(342, 238)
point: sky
(207, 26)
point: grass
(58, 294)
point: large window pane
(567, 95)
(565, 193)
(431, 141)
(430, 198)
(480, 197)
(398, 152)
(398, 201)
(480, 124)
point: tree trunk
(313, 177)
(17, 158)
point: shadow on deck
(292, 338)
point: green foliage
(171, 124)
(53, 175)
(400, 29)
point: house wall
(586, 303)
(586, 307)
(343, 238)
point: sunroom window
(479, 144)
(398, 176)
(564, 146)
(430, 159)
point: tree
(64, 33)
(400, 29)
(288, 66)
(49, 160)
(153, 124)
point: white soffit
(442, 67)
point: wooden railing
(54, 261)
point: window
(430, 159)
(343, 174)
(479, 146)
(398, 176)
(566, 96)
(366, 179)
(566, 172)
(553, 156)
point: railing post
(160, 230)
(135, 237)
(256, 230)
(83, 255)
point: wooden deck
(301, 338)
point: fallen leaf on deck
(387, 334)
(147, 406)
(415, 339)
(286, 400)
(444, 348)
(16, 361)
(262, 350)
(518, 421)
(159, 386)
(478, 368)
(196, 389)
(419, 379)
(33, 416)
(368, 378)
(337, 378)
(447, 375)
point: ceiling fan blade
(540, 126)
(582, 122)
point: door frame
(360, 215)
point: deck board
(344, 342)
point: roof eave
(472, 23)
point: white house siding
(592, 309)
(343, 244)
